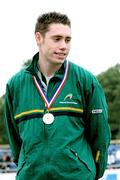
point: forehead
(59, 30)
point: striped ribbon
(41, 92)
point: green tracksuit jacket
(74, 146)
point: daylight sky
(95, 33)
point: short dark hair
(46, 19)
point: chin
(60, 60)
(57, 61)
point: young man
(56, 112)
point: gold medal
(48, 118)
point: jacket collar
(32, 68)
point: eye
(57, 39)
(67, 40)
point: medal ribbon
(40, 89)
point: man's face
(54, 46)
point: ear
(38, 38)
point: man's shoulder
(80, 70)
(83, 77)
(18, 76)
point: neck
(48, 69)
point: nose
(63, 45)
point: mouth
(61, 55)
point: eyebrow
(60, 36)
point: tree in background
(110, 81)
(3, 134)
(26, 63)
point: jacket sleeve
(11, 127)
(98, 131)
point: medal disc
(48, 118)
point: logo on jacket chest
(68, 99)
